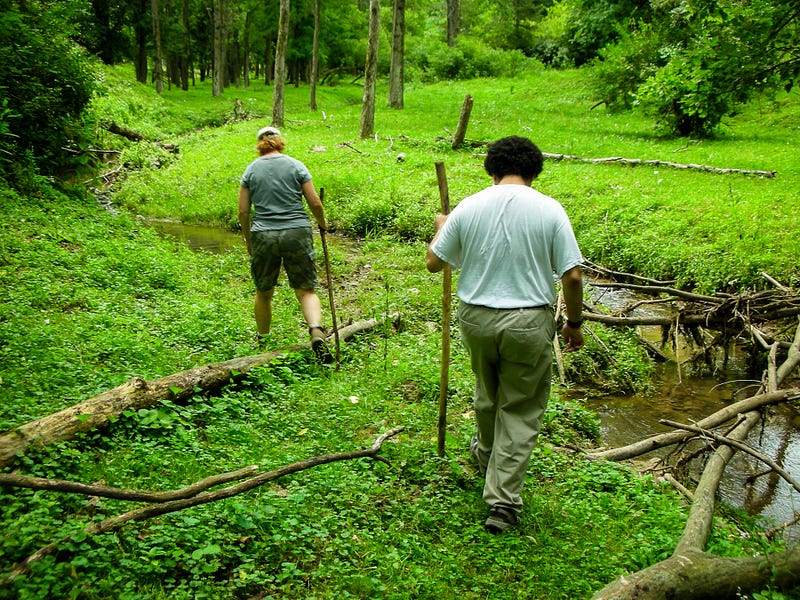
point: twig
(739, 446)
(57, 485)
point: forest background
(93, 296)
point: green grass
(91, 297)
(707, 231)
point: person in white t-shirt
(508, 240)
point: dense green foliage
(690, 64)
(46, 82)
(92, 296)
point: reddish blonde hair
(272, 143)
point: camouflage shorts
(294, 248)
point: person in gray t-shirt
(277, 231)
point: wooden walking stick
(447, 277)
(330, 285)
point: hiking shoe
(318, 344)
(473, 450)
(501, 519)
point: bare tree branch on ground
(193, 495)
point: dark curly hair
(513, 155)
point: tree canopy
(687, 63)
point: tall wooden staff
(447, 278)
(330, 285)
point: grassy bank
(707, 230)
(92, 297)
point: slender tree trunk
(186, 51)
(246, 48)
(312, 80)
(396, 79)
(158, 74)
(453, 17)
(141, 54)
(220, 37)
(280, 64)
(268, 57)
(371, 70)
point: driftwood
(167, 502)
(633, 162)
(690, 573)
(725, 318)
(138, 393)
(705, 576)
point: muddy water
(679, 396)
(199, 237)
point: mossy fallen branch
(138, 393)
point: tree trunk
(453, 17)
(314, 76)
(697, 575)
(463, 121)
(280, 64)
(138, 393)
(220, 47)
(186, 50)
(158, 74)
(371, 71)
(396, 77)
(248, 19)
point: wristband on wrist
(575, 324)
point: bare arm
(433, 262)
(244, 215)
(572, 286)
(315, 204)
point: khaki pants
(511, 355)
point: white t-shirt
(508, 240)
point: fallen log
(138, 393)
(694, 575)
(633, 162)
(200, 496)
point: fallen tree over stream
(691, 573)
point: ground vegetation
(93, 296)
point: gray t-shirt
(275, 184)
(508, 240)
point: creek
(678, 395)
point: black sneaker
(501, 519)
(319, 346)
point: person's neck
(510, 180)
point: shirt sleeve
(566, 253)
(448, 245)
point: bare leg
(263, 310)
(310, 305)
